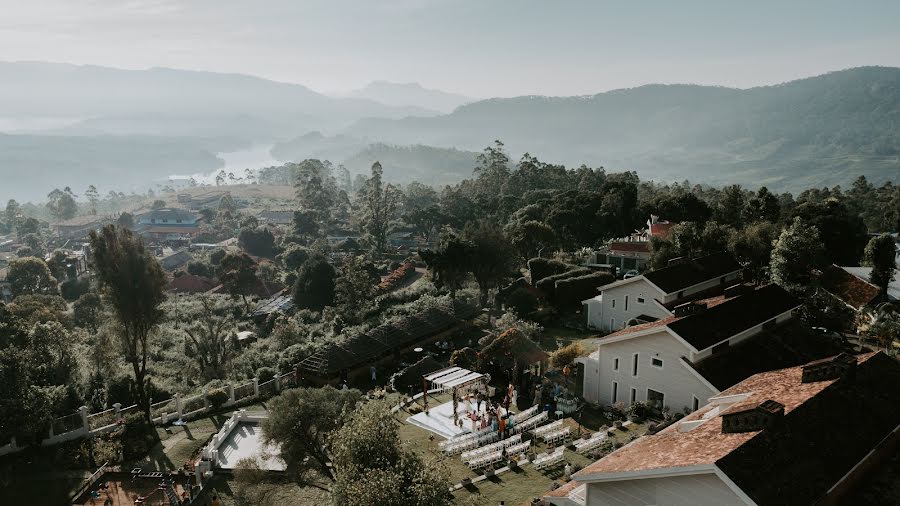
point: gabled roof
(171, 214)
(787, 345)
(189, 283)
(689, 273)
(865, 273)
(733, 316)
(828, 427)
(853, 290)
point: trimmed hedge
(571, 291)
(548, 284)
(540, 268)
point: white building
(781, 437)
(657, 362)
(653, 293)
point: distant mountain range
(116, 127)
(411, 95)
(811, 132)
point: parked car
(630, 274)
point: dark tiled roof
(851, 289)
(733, 316)
(189, 283)
(787, 345)
(692, 272)
(172, 214)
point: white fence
(83, 424)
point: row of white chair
(499, 445)
(550, 427)
(486, 460)
(557, 436)
(518, 448)
(531, 423)
(586, 445)
(545, 460)
(468, 444)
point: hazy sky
(480, 47)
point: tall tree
(752, 248)
(494, 259)
(135, 287)
(30, 275)
(237, 272)
(301, 422)
(371, 466)
(356, 284)
(881, 254)
(380, 203)
(13, 211)
(762, 207)
(93, 197)
(210, 338)
(315, 284)
(449, 263)
(61, 204)
(796, 253)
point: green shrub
(217, 397)
(569, 292)
(548, 284)
(139, 437)
(540, 268)
(566, 355)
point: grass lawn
(281, 494)
(514, 487)
(567, 335)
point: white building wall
(620, 304)
(679, 384)
(689, 490)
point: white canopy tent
(453, 378)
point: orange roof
(630, 246)
(661, 229)
(853, 290)
(706, 444)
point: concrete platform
(440, 419)
(245, 441)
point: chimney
(762, 416)
(653, 219)
(840, 366)
(689, 308)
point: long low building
(797, 436)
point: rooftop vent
(753, 418)
(735, 290)
(689, 308)
(843, 365)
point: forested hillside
(843, 124)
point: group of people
(495, 415)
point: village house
(660, 362)
(80, 227)
(168, 224)
(275, 217)
(853, 290)
(802, 435)
(649, 296)
(633, 252)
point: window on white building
(640, 300)
(633, 395)
(696, 404)
(655, 399)
(626, 303)
(616, 364)
(656, 362)
(615, 392)
(613, 303)
(634, 365)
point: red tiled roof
(854, 291)
(661, 229)
(707, 443)
(189, 283)
(630, 246)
